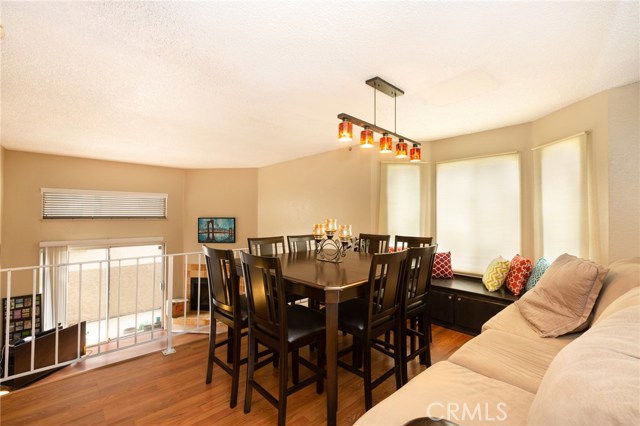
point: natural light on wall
(562, 197)
(478, 210)
(402, 199)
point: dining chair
(301, 242)
(229, 307)
(402, 242)
(373, 243)
(266, 246)
(372, 316)
(281, 327)
(416, 305)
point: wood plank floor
(154, 389)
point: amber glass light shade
(386, 144)
(345, 131)
(401, 149)
(415, 154)
(366, 138)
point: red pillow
(442, 266)
(518, 274)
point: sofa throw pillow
(442, 266)
(519, 271)
(563, 299)
(496, 273)
(536, 273)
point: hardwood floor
(154, 389)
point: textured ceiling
(247, 84)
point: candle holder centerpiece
(332, 241)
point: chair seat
(352, 315)
(303, 323)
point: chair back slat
(419, 268)
(301, 243)
(266, 246)
(264, 286)
(223, 281)
(373, 243)
(403, 242)
(386, 285)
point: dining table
(329, 283)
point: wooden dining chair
(266, 246)
(370, 317)
(402, 242)
(305, 242)
(419, 266)
(373, 243)
(229, 307)
(281, 327)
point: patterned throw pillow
(519, 271)
(536, 273)
(442, 266)
(496, 273)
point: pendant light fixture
(345, 128)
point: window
(561, 198)
(403, 199)
(478, 210)
(81, 204)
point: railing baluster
(170, 350)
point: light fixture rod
(377, 129)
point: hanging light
(415, 153)
(366, 138)
(345, 131)
(401, 149)
(386, 143)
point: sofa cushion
(510, 320)
(496, 273)
(449, 391)
(630, 298)
(623, 275)
(564, 297)
(519, 271)
(507, 357)
(596, 379)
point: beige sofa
(508, 375)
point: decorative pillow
(536, 273)
(519, 271)
(442, 266)
(496, 273)
(563, 299)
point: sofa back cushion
(596, 378)
(623, 275)
(563, 299)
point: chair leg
(235, 377)
(251, 361)
(403, 357)
(295, 370)
(212, 350)
(398, 347)
(413, 324)
(368, 390)
(284, 381)
(425, 325)
(230, 346)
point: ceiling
(248, 84)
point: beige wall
(624, 172)
(25, 174)
(221, 193)
(341, 184)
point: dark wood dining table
(330, 283)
